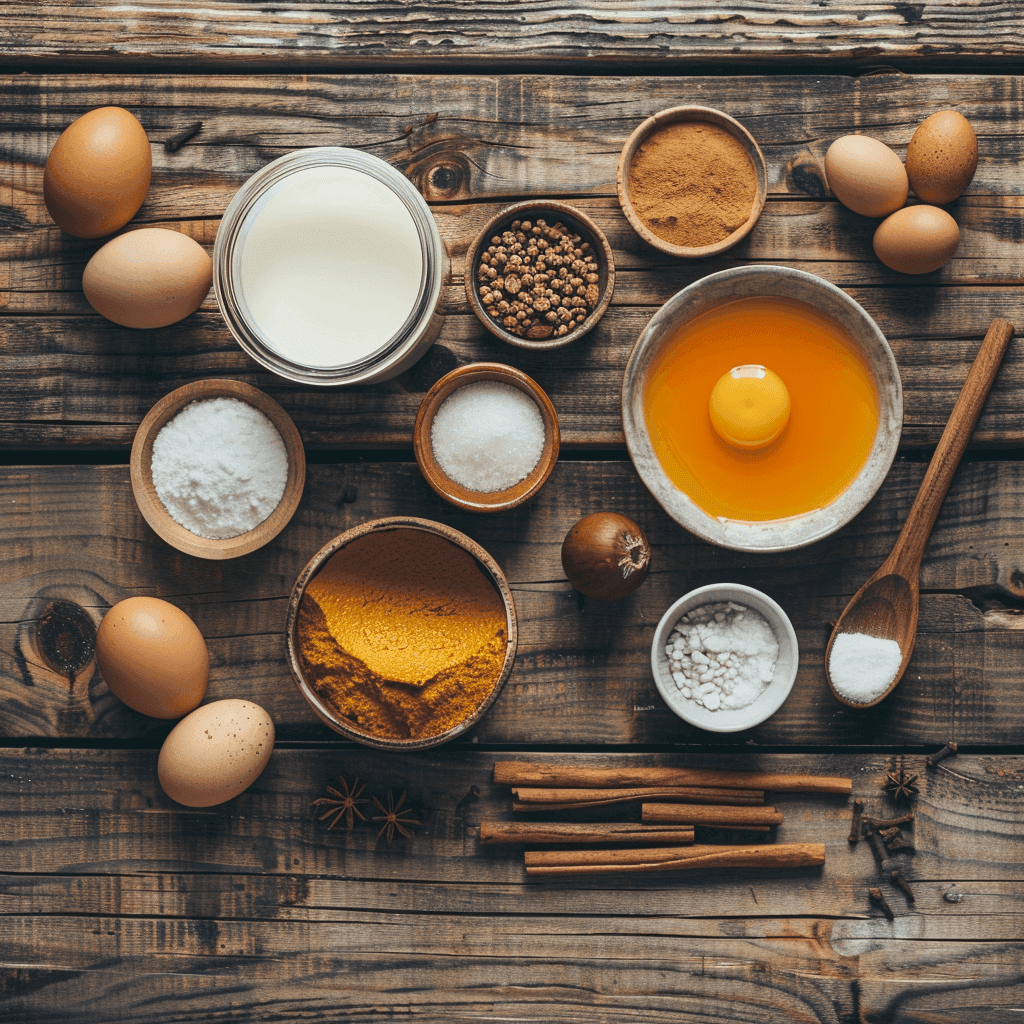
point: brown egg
(97, 174)
(866, 175)
(152, 656)
(151, 277)
(942, 157)
(916, 239)
(215, 753)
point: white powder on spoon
(220, 467)
(863, 667)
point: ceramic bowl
(444, 485)
(153, 509)
(675, 115)
(774, 695)
(328, 714)
(579, 223)
(744, 282)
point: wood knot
(806, 176)
(65, 637)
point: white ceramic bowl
(716, 290)
(774, 695)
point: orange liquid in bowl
(832, 424)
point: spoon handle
(909, 548)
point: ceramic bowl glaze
(745, 282)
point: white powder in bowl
(487, 436)
(722, 655)
(220, 467)
(863, 667)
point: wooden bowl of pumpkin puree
(401, 633)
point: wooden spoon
(886, 606)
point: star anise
(343, 802)
(900, 785)
(394, 818)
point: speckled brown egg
(151, 277)
(866, 175)
(98, 172)
(152, 656)
(942, 157)
(916, 239)
(215, 753)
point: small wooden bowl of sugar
(486, 437)
(217, 468)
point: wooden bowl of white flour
(217, 468)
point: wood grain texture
(117, 904)
(74, 379)
(582, 673)
(459, 34)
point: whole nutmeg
(606, 556)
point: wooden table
(119, 905)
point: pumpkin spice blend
(692, 183)
(402, 633)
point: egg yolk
(749, 407)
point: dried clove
(949, 750)
(903, 819)
(900, 882)
(175, 142)
(899, 842)
(877, 845)
(858, 810)
(888, 834)
(879, 901)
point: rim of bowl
(583, 226)
(673, 115)
(781, 626)
(315, 564)
(745, 282)
(455, 493)
(153, 509)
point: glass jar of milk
(328, 268)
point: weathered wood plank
(582, 673)
(108, 890)
(494, 140)
(466, 35)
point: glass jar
(328, 268)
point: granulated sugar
(863, 667)
(219, 467)
(722, 655)
(487, 436)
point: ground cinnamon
(692, 183)
(402, 634)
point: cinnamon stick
(528, 773)
(589, 862)
(684, 794)
(568, 832)
(688, 814)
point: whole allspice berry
(606, 556)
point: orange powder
(831, 428)
(402, 633)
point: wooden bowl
(579, 223)
(674, 115)
(444, 485)
(153, 509)
(325, 712)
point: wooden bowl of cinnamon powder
(401, 633)
(692, 181)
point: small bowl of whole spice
(692, 181)
(486, 437)
(540, 275)
(401, 633)
(217, 468)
